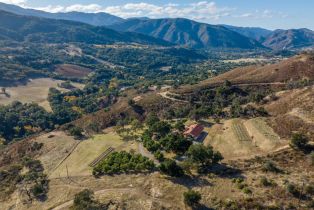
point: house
(194, 131)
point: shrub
(270, 166)
(291, 188)
(247, 190)
(192, 197)
(85, 200)
(267, 183)
(171, 168)
(309, 189)
(159, 156)
(299, 140)
(76, 132)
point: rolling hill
(188, 33)
(293, 69)
(289, 39)
(96, 19)
(33, 29)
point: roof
(194, 130)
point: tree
(151, 119)
(176, 143)
(192, 197)
(203, 155)
(76, 132)
(162, 128)
(171, 168)
(299, 140)
(179, 126)
(85, 200)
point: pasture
(240, 138)
(36, 90)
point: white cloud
(202, 10)
(206, 11)
(265, 14)
(16, 2)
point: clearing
(36, 90)
(73, 71)
(239, 138)
(77, 162)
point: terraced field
(240, 138)
(240, 131)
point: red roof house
(194, 130)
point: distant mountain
(290, 39)
(251, 32)
(33, 29)
(188, 33)
(96, 19)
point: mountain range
(96, 19)
(178, 31)
(34, 29)
(188, 33)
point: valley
(106, 112)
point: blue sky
(271, 14)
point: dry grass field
(77, 163)
(73, 71)
(295, 68)
(36, 90)
(238, 138)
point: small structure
(194, 131)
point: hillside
(292, 69)
(32, 29)
(96, 19)
(289, 39)
(252, 32)
(188, 33)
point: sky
(270, 14)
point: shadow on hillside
(191, 181)
(225, 171)
(202, 207)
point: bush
(247, 190)
(159, 156)
(299, 140)
(192, 197)
(291, 188)
(171, 168)
(309, 189)
(76, 132)
(85, 200)
(267, 183)
(270, 166)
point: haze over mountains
(178, 31)
(33, 29)
(96, 19)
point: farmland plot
(240, 131)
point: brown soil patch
(73, 71)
